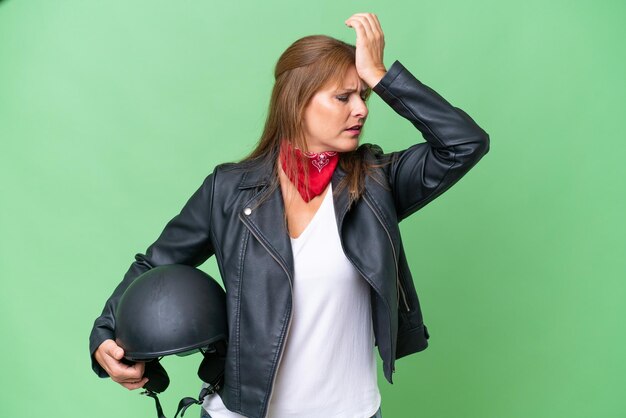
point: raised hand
(370, 45)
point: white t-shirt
(328, 367)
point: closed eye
(345, 97)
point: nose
(359, 110)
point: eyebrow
(351, 90)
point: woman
(305, 232)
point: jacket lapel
(341, 199)
(263, 214)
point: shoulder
(224, 176)
(374, 156)
(370, 149)
(228, 174)
(231, 176)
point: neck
(310, 172)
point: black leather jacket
(233, 217)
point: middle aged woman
(305, 232)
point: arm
(186, 239)
(454, 142)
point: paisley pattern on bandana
(321, 159)
(324, 164)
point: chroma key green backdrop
(112, 113)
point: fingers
(116, 352)
(368, 21)
(369, 32)
(109, 356)
(370, 45)
(133, 386)
(374, 22)
(125, 373)
(358, 26)
(129, 376)
(361, 22)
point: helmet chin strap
(183, 404)
(157, 404)
(187, 402)
(211, 371)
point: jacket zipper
(282, 348)
(395, 259)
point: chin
(348, 146)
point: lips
(355, 128)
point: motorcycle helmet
(174, 309)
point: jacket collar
(258, 173)
(263, 214)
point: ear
(158, 380)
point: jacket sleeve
(186, 239)
(454, 142)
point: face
(335, 115)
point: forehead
(348, 80)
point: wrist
(374, 77)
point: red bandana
(321, 166)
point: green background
(112, 113)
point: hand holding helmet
(110, 355)
(169, 309)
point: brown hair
(306, 66)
